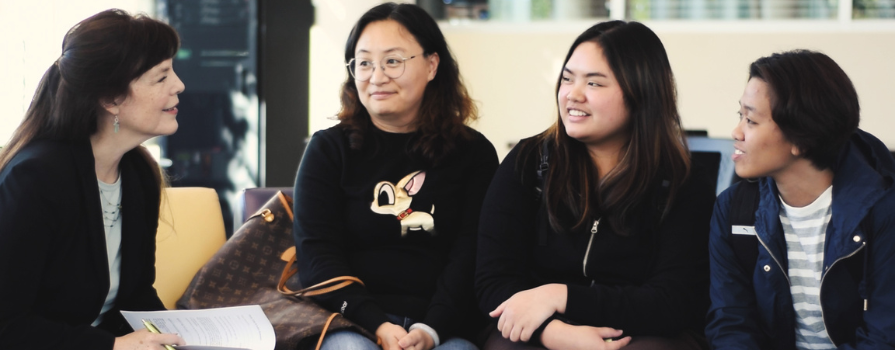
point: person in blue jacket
(824, 273)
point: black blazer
(54, 274)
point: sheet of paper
(239, 327)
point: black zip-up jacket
(652, 282)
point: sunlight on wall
(333, 22)
(31, 35)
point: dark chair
(251, 199)
(709, 150)
(709, 162)
(696, 133)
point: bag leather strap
(291, 269)
(325, 328)
(318, 289)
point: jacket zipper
(820, 293)
(593, 231)
(775, 259)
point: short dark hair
(446, 107)
(812, 101)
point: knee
(347, 340)
(457, 344)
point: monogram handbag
(257, 266)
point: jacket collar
(136, 180)
(864, 174)
(82, 151)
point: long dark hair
(813, 102)
(446, 107)
(100, 57)
(656, 145)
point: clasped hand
(394, 337)
(525, 311)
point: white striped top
(805, 230)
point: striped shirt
(805, 230)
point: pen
(151, 328)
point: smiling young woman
(80, 196)
(597, 227)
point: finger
(525, 335)
(515, 333)
(169, 339)
(408, 340)
(506, 329)
(400, 334)
(618, 344)
(391, 344)
(498, 310)
(607, 332)
(501, 324)
(414, 346)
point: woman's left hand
(525, 311)
(417, 339)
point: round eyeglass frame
(382, 65)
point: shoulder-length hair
(446, 107)
(100, 57)
(656, 150)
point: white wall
(31, 33)
(333, 22)
(511, 69)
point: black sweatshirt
(351, 218)
(653, 282)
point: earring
(116, 124)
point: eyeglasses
(392, 67)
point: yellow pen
(151, 328)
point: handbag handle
(318, 289)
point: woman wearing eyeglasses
(597, 228)
(392, 193)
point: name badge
(743, 230)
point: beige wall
(511, 69)
(31, 33)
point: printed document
(229, 328)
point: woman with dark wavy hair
(392, 193)
(597, 227)
(80, 195)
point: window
(558, 10)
